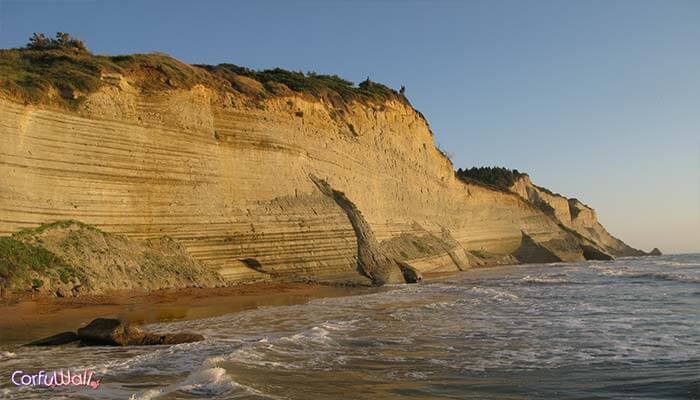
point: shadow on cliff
(532, 252)
(371, 261)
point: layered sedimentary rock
(68, 258)
(230, 179)
(574, 215)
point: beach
(599, 329)
(29, 319)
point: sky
(595, 99)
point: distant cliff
(226, 161)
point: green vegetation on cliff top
(21, 263)
(63, 71)
(498, 178)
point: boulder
(410, 274)
(112, 332)
(593, 253)
(106, 331)
(55, 340)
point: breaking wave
(664, 276)
(547, 279)
(480, 331)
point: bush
(37, 283)
(64, 63)
(20, 260)
(330, 87)
(63, 40)
(496, 177)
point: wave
(676, 264)
(314, 336)
(440, 305)
(547, 279)
(209, 381)
(348, 325)
(495, 294)
(664, 276)
(312, 348)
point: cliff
(574, 215)
(227, 162)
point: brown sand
(29, 320)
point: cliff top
(496, 178)
(62, 71)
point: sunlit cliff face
(228, 177)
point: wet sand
(29, 320)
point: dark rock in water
(592, 253)
(410, 274)
(55, 340)
(112, 332)
(104, 331)
(171, 338)
(655, 252)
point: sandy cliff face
(575, 215)
(230, 179)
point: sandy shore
(28, 320)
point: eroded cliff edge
(223, 163)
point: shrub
(478, 253)
(65, 63)
(65, 275)
(496, 177)
(19, 261)
(63, 40)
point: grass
(33, 74)
(478, 253)
(60, 224)
(30, 75)
(333, 88)
(20, 261)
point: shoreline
(27, 320)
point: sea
(623, 329)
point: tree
(38, 41)
(501, 178)
(63, 40)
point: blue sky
(595, 99)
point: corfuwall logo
(56, 378)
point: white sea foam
(496, 294)
(150, 394)
(667, 276)
(4, 355)
(316, 335)
(440, 305)
(210, 380)
(546, 279)
(341, 325)
(427, 332)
